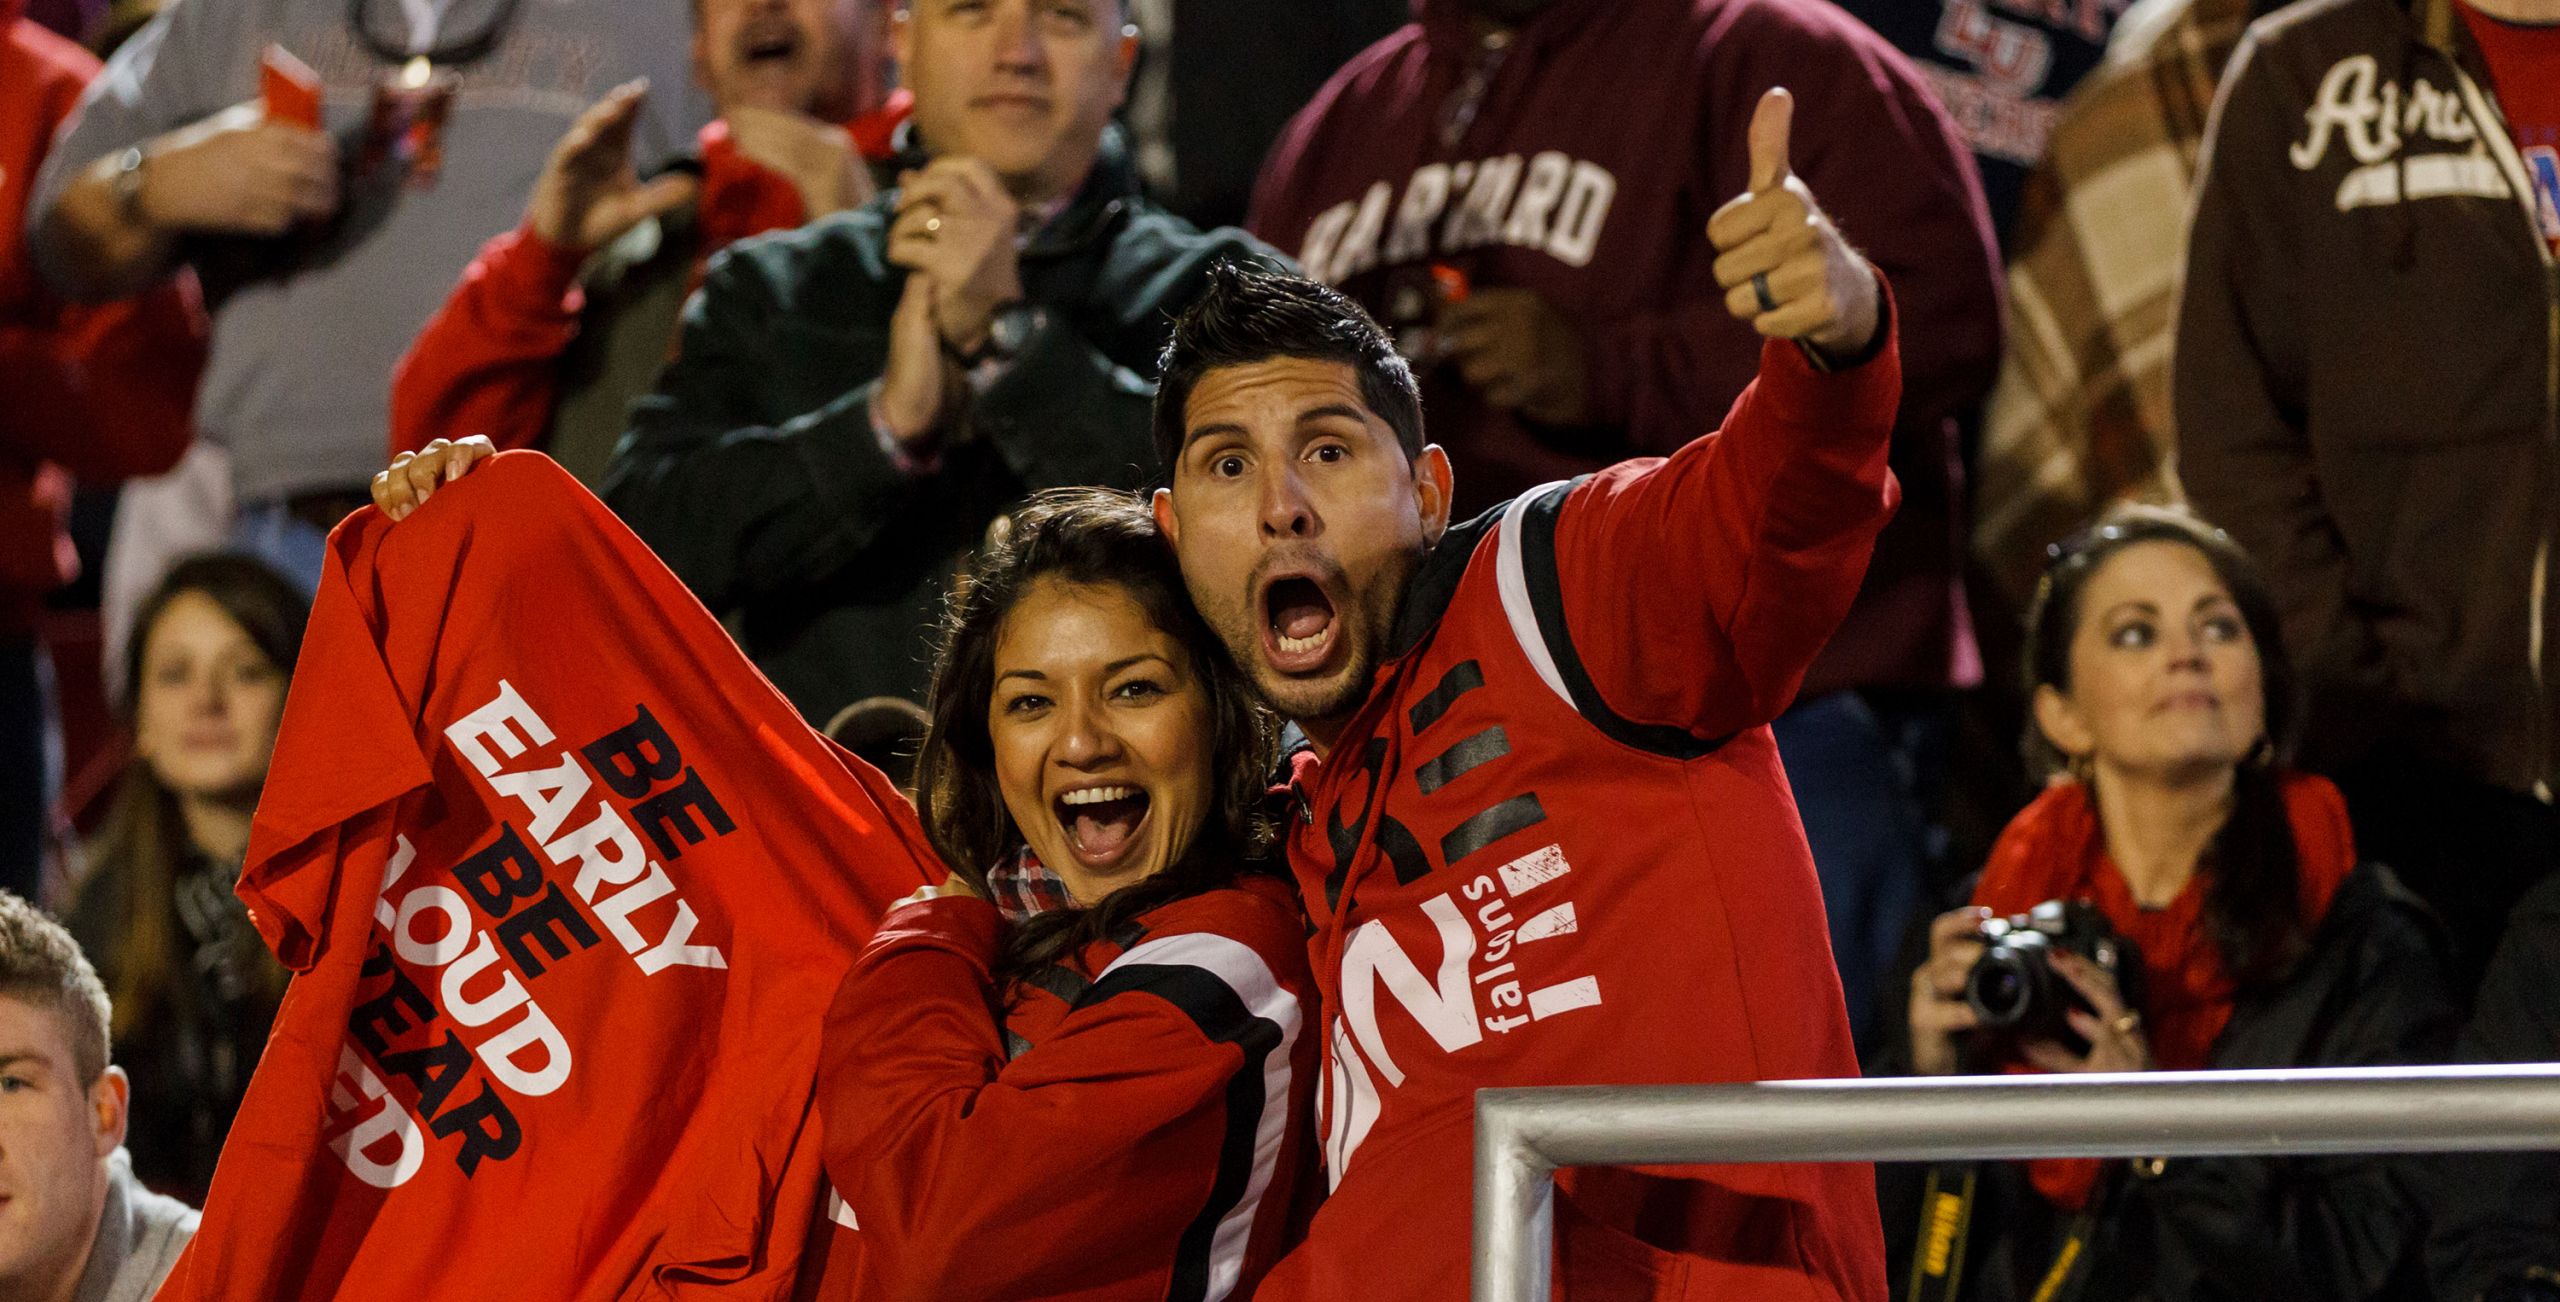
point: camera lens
(2000, 989)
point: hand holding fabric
(413, 477)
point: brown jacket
(2367, 383)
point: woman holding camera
(2159, 689)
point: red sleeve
(488, 360)
(105, 390)
(1735, 557)
(1072, 1167)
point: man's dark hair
(41, 965)
(1250, 315)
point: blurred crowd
(2229, 453)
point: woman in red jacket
(1083, 1067)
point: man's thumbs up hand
(1771, 123)
(1783, 265)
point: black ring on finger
(1760, 286)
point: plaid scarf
(1024, 888)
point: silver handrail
(1523, 1135)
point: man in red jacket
(100, 393)
(1514, 188)
(1542, 833)
(545, 337)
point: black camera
(2013, 988)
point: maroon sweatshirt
(1605, 135)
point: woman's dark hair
(2253, 902)
(141, 844)
(1250, 315)
(1094, 538)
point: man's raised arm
(1699, 587)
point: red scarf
(2055, 850)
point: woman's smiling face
(1102, 736)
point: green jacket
(754, 471)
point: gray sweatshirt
(139, 1238)
(307, 328)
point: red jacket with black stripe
(1137, 1126)
(1555, 847)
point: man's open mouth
(774, 40)
(1299, 624)
(1102, 822)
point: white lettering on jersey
(1550, 203)
(1444, 1004)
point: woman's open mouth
(1300, 625)
(1102, 823)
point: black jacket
(754, 471)
(2498, 1214)
(2371, 992)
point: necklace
(460, 51)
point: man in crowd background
(2368, 397)
(855, 401)
(1519, 189)
(560, 322)
(322, 249)
(74, 1224)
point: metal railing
(1523, 1135)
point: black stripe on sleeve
(1214, 1007)
(1067, 984)
(1491, 825)
(1546, 599)
(1460, 759)
(1462, 678)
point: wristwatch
(127, 185)
(1010, 331)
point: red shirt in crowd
(2524, 70)
(1139, 1126)
(488, 361)
(2055, 850)
(568, 888)
(97, 392)
(1555, 847)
